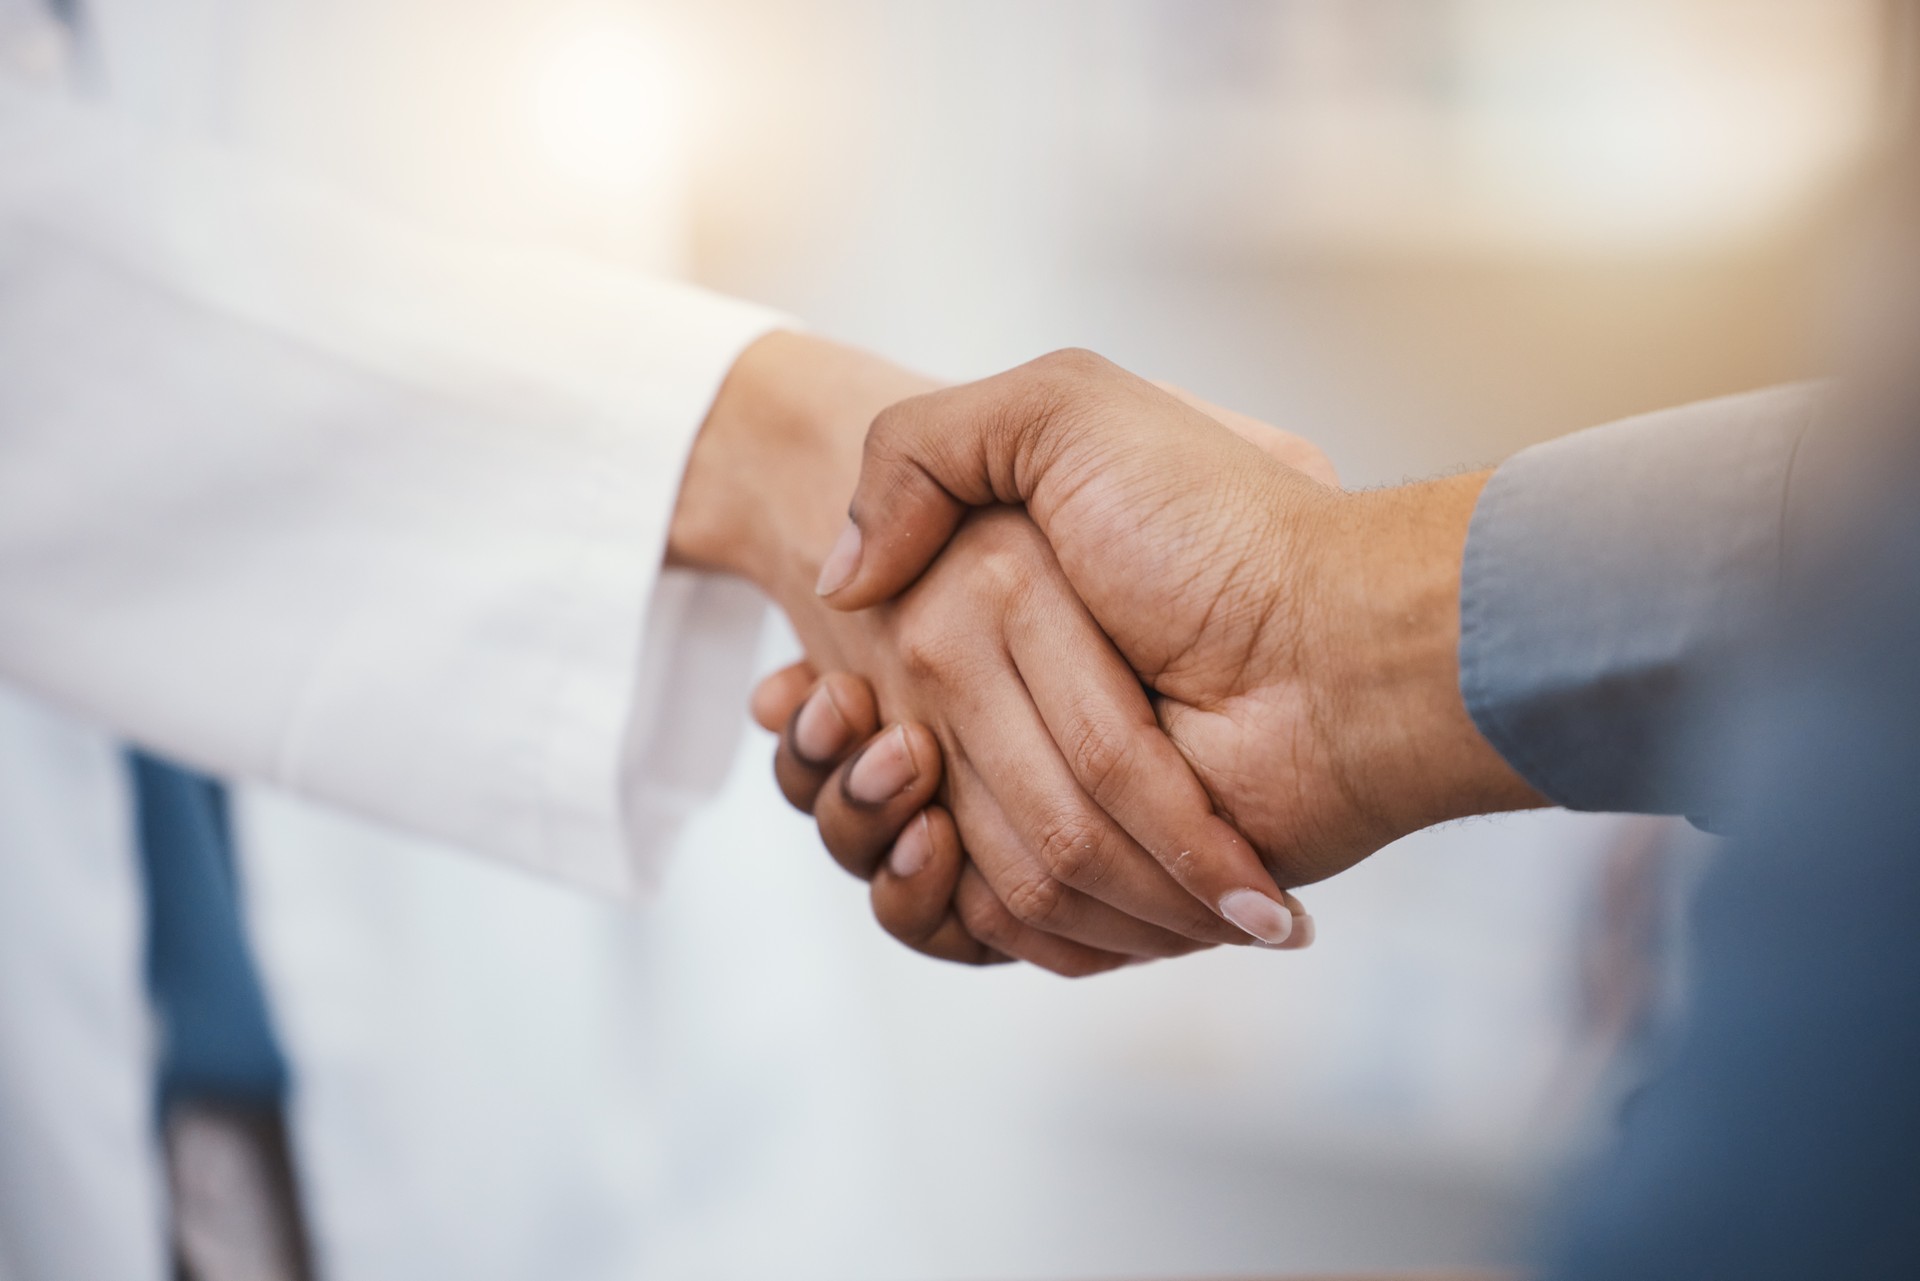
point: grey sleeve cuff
(1606, 574)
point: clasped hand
(1146, 668)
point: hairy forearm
(1392, 653)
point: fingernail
(819, 732)
(841, 563)
(912, 850)
(882, 769)
(1258, 915)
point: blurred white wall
(1426, 232)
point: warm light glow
(608, 108)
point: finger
(837, 715)
(928, 458)
(778, 697)
(987, 920)
(1295, 451)
(1017, 869)
(913, 892)
(1052, 829)
(1303, 931)
(870, 798)
(944, 908)
(1097, 714)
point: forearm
(1540, 634)
(766, 486)
(1390, 651)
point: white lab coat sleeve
(294, 495)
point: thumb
(928, 459)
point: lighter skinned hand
(1298, 641)
(911, 856)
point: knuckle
(1071, 850)
(1037, 902)
(1002, 573)
(926, 647)
(1003, 550)
(885, 429)
(1073, 363)
(984, 920)
(1100, 755)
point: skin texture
(992, 659)
(1299, 643)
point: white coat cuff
(649, 708)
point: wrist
(768, 479)
(1414, 754)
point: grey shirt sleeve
(1606, 575)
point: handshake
(1142, 666)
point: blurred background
(1423, 232)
